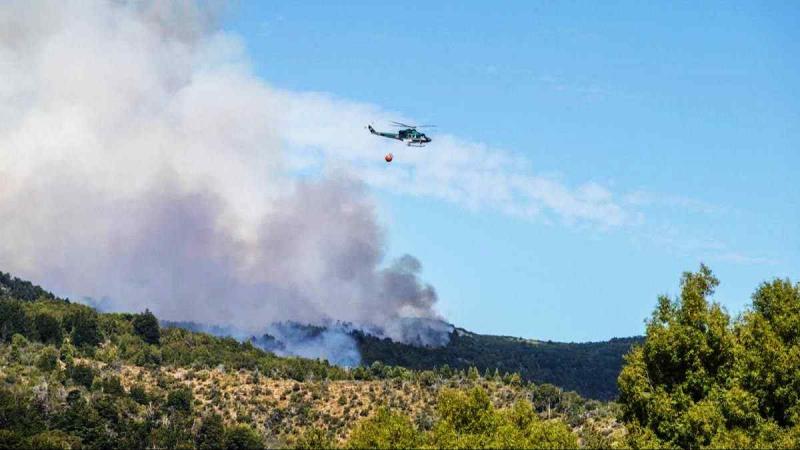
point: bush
(85, 327)
(112, 386)
(146, 326)
(314, 438)
(180, 400)
(82, 375)
(385, 430)
(48, 359)
(468, 420)
(10, 440)
(139, 395)
(13, 320)
(149, 356)
(211, 434)
(242, 437)
(48, 329)
(19, 341)
(54, 440)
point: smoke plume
(140, 167)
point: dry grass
(281, 408)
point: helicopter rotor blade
(398, 124)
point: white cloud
(643, 198)
(321, 129)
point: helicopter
(407, 134)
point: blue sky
(688, 114)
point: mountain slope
(71, 377)
(14, 287)
(591, 368)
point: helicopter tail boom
(386, 135)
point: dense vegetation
(13, 287)
(465, 419)
(591, 368)
(71, 377)
(702, 380)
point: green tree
(84, 327)
(18, 414)
(769, 367)
(467, 419)
(242, 437)
(385, 430)
(668, 384)
(698, 381)
(54, 440)
(13, 320)
(146, 326)
(139, 395)
(11, 440)
(82, 374)
(48, 329)
(314, 438)
(112, 386)
(520, 427)
(547, 398)
(180, 400)
(211, 434)
(48, 359)
(175, 433)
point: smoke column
(140, 167)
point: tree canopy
(701, 379)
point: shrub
(82, 375)
(53, 440)
(180, 400)
(146, 326)
(112, 386)
(13, 319)
(385, 430)
(10, 440)
(139, 395)
(211, 434)
(314, 438)
(242, 437)
(48, 359)
(85, 327)
(19, 341)
(48, 329)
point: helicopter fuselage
(410, 136)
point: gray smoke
(332, 342)
(140, 168)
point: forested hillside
(13, 287)
(71, 377)
(591, 369)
